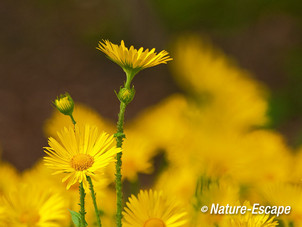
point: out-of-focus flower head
(264, 157)
(228, 93)
(9, 177)
(248, 219)
(182, 187)
(153, 208)
(210, 191)
(138, 151)
(137, 155)
(285, 194)
(28, 205)
(40, 173)
(163, 123)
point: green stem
(119, 142)
(72, 119)
(130, 75)
(82, 191)
(82, 205)
(94, 202)
(127, 84)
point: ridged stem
(93, 196)
(118, 182)
(82, 205)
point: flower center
(81, 162)
(29, 218)
(154, 222)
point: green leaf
(76, 218)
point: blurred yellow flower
(105, 195)
(209, 190)
(42, 174)
(285, 194)
(264, 157)
(249, 220)
(133, 60)
(182, 187)
(31, 206)
(164, 123)
(137, 155)
(81, 152)
(226, 92)
(153, 209)
(9, 177)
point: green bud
(126, 95)
(64, 104)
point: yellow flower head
(137, 155)
(31, 206)
(81, 152)
(216, 81)
(64, 104)
(250, 220)
(285, 194)
(152, 209)
(9, 177)
(132, 60)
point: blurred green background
(47, 47)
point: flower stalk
(93, 196)
(82, 205)
(118, 181)
(82, 212)
(131, 61)
(125, 95)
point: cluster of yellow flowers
(204, 146)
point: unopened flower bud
(126, 95)
(64, 104)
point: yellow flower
(133, 60)
(153, 209)
(8, 177)
(285, 194)
(29, 206)
(164, 123)
(81, 152)
(265, 157)
(250, 220)
(182, 187)
(219, 84)
(137, 155)
(220, 191)
(138, 152)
